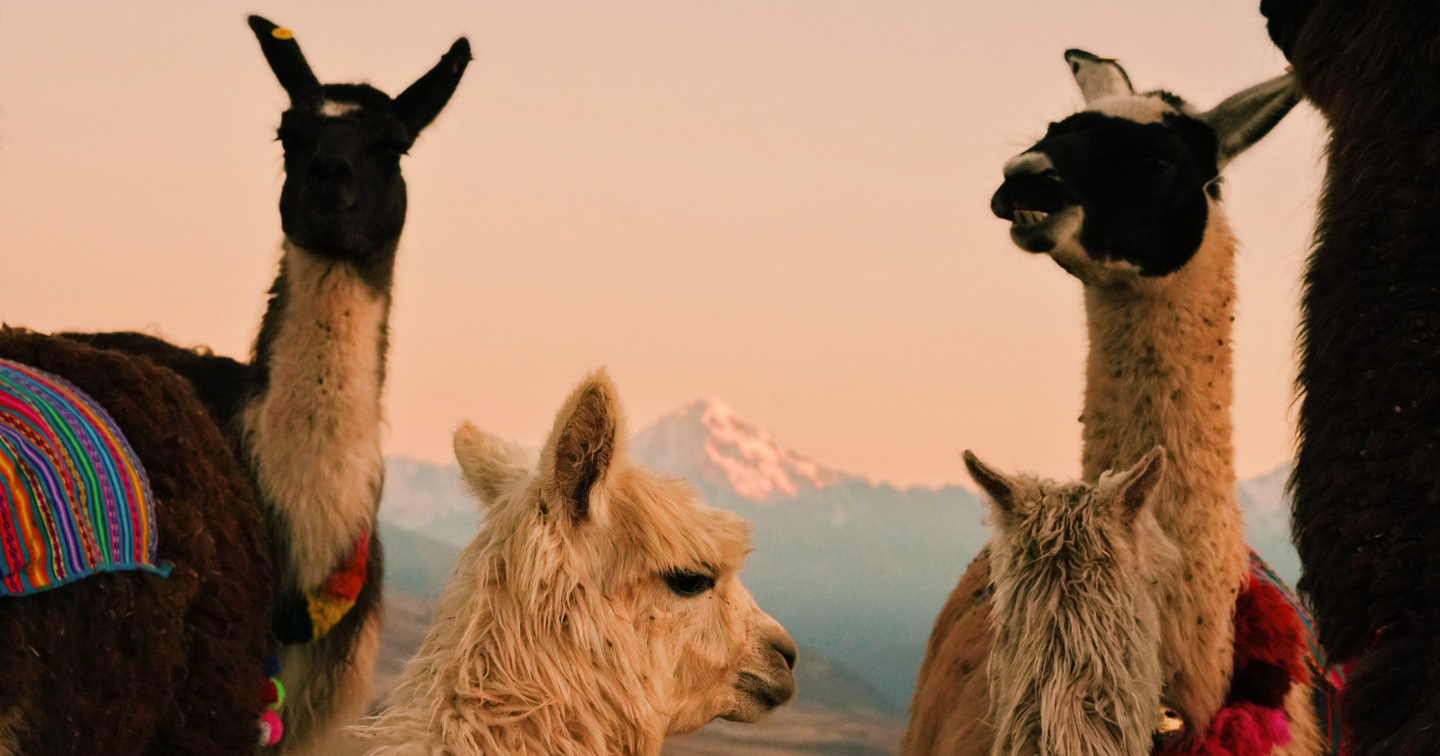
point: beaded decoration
(272, 694)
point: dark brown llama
(129, 663)
(1366, 484)
(305, 413)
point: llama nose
(1034, 192)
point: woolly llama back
(598, 610)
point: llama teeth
(1029, 217)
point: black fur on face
(344, 197)
(1140, 186)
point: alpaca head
(1123, 188)
(599, 609)
(1077, 572)
(344, 197)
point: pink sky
(776, 202)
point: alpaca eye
(688, 584)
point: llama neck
(521, 671)
(311, 427)
(1159, 372)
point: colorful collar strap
(308, 617)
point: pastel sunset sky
(781, 203)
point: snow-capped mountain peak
(708, 442)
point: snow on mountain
(706, 442)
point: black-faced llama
(1126, 197)
(598, 610)
(1366, 484)
(305, 412)
(1078, 571)
(123, 663)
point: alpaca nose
(785, 647)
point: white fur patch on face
(333, 109)
(313, 437)
(1137, 108)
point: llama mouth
(1028, 218)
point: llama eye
(688, 584)
(1157, 167)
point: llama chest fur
(313, 435)
(1159, 372)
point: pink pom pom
(271, 730)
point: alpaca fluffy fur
(1078, 571)
(557, 634)
(1365, 481)
(130, 662)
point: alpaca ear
(1133, 486)
(1000, 488)
(489, 465)
(418, 105)
(283, 53)
(1246, 116)
(1098, 77)
(583, 447)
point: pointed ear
(1246, 116)
(489, 465)
(1132, 488)
(1098, 77)
(283, 53)
(418, 105)
(583, 448)
(999, 487)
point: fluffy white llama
(1125, 196)
(598, 610)
(1078, 570)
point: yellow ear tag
(281, 32)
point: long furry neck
(311, 426)
(1159, 372)
(519, 661)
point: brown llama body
(1125, 197)
(128, 662)
(1366, 484)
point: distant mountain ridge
(706, 442)
(853, 569)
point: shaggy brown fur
(132, 663)
(1366, 483)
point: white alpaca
(1077, 570)
(598, 610)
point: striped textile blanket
(74, 499)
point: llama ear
(283, 53)
(1098, 77)
(489, 465)
(418, 105)
(1246, 116)
(999, 487)
(1133, 486)
(583, 447)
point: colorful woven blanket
(74, 500)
